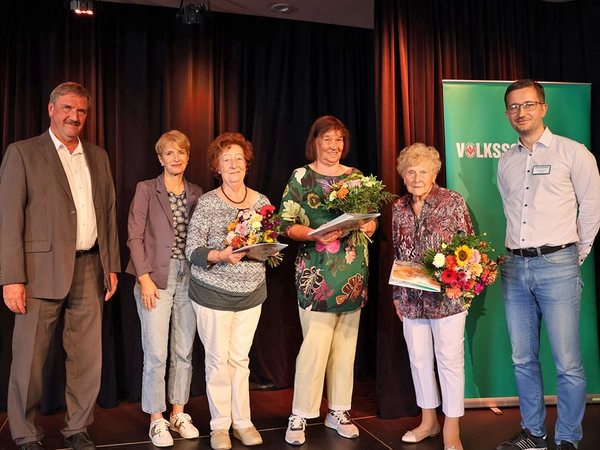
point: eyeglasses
(527, 106)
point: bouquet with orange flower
(356, 194)
(253, 227)
(462, 266)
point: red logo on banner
(470, 149)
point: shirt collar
(543, 140)
(58, 145)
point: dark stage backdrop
(148, 73)
(270, 79)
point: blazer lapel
(48, 151)
(163, 198)
(190, 197)
(92, 167)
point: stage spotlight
(83, 8)
(192, 14)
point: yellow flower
(255, 221)
(463, 255)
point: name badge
(541, 170)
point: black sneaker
(80, 441)
(33, 445)
(524, 440)
(566, 445)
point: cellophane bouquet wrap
(356, 194)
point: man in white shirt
(58, 251)
(550, 191)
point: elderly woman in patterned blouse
(433, 325)
(227, 291)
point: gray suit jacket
(150, 228)
(38, 219)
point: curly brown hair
(223, 142)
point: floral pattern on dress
(329, 278)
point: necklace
(235, 203)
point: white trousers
(327, 351)
(446, 338)
(227, 337)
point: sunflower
(463, 255)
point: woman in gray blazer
(157, 228)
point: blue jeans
(547, 286)
(173, 308)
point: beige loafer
(249, 436)
(219, 440)
(412, 437)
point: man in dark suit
(58, 251)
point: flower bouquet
(462, 267)
(356, 194)
(252, 227)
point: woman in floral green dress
(331, 284)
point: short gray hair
(415, 154)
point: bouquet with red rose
(253, 227)
(462, 267)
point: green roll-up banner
(477, 133)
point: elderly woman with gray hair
(433, 325)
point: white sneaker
(182, 424)
(340, 421)
(159, 433)
(294, 434)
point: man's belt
(537, 251)
(94, 249)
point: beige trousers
(327, 351)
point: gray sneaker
(340, 421)
(294, 434)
